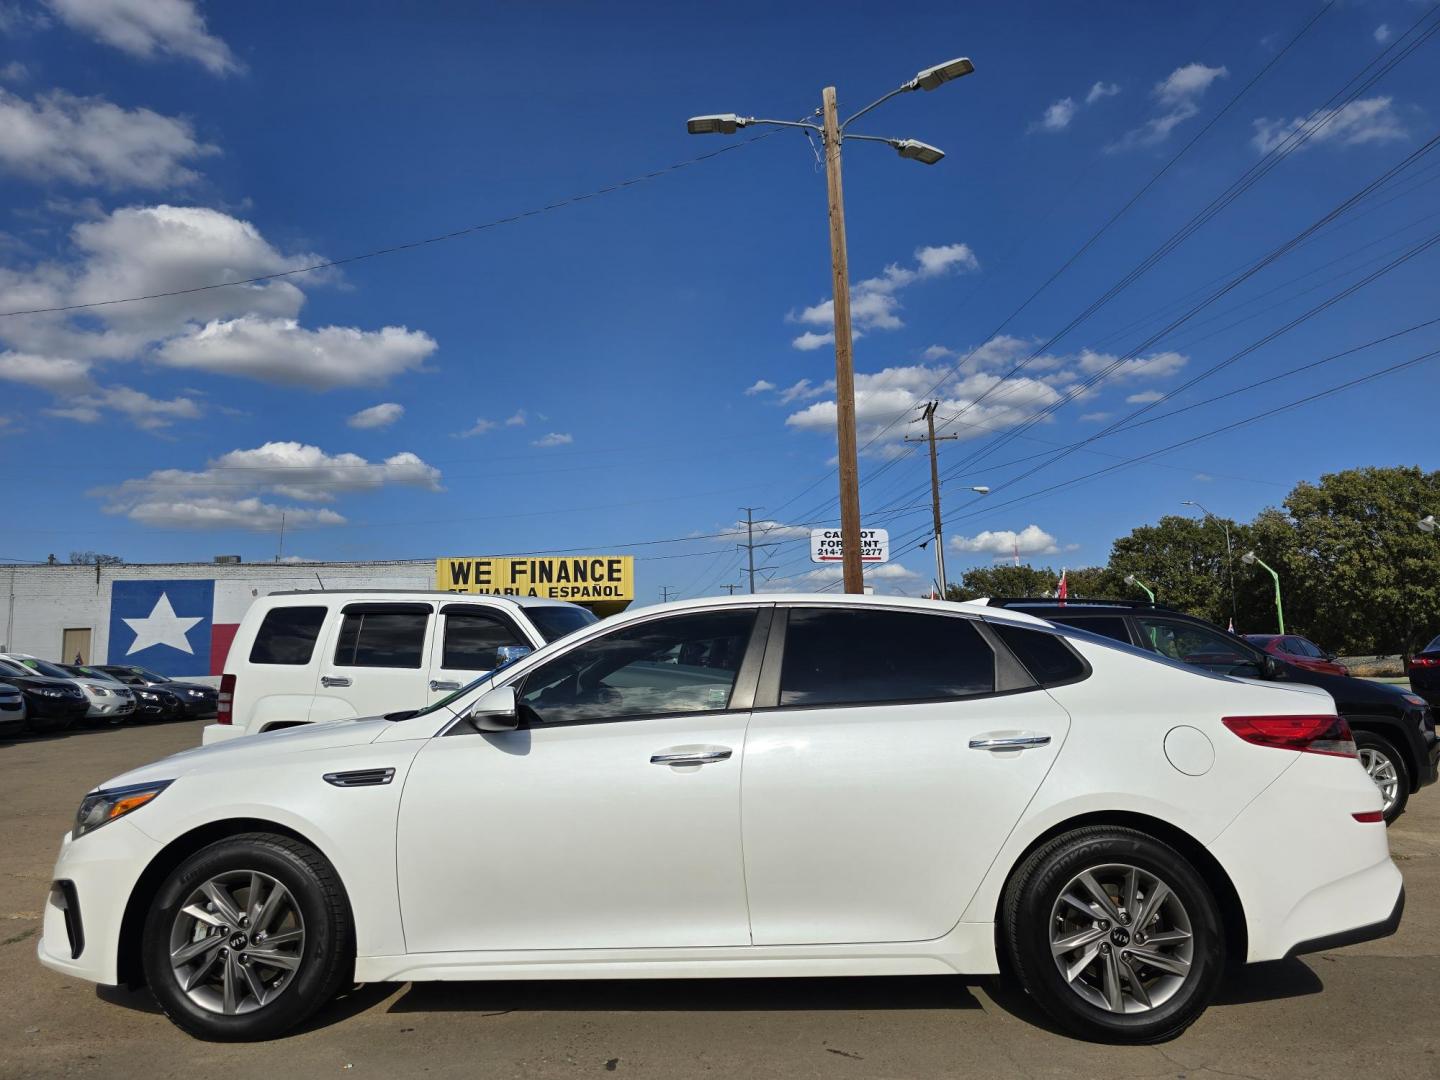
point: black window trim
(767, 698)
(1085, 669)
(743, 690)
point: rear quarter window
(1046, 657)
(287, 635)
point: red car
(1302, 652)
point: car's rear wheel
(1382, 761)
(247, 938)
(1114, 934)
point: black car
(50, 704)
(1394, 728)
(198, 700)
(1424, 671)
(157, 703)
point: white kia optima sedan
(787, 786)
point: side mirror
(1271, 667)
(508, 654)
(494, 711)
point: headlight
(195, 693)
(99, 691)
(101, 807)
(50, 691)
(147, 695)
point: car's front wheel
(247, 938)
(1114, 935)
(1381, 760)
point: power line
(409, 245)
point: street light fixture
(980, 489)
(833, 133)
(1251, 559)
(1133, 581)
(1427, 523)
(1229, 552)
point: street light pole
(1229, 553)
(1131, 579)
(844, 355)
(1250, 558)
(833, 132)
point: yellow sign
(578, 578)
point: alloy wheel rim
(237, 942)
(1121, 938)
(1382, 770)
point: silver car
(110, 700)
(12, 710)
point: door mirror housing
(1271, 667)
(494, 711)
(508, 654)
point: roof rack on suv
(1070, 602)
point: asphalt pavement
(1365, 1010)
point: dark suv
(1393, 727)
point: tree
(1183, 559)
(94, 558)
(1006, 580)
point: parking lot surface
(1365, 1010)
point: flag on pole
(1231, 627)
(1063, 591)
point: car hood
(249, 749)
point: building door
(75, 648)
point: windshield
(54, 671)
(556, 622)
(148, 675)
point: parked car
(109, 701)
(12, 711)
(303, 657)
(1299, 651)
(1424, 672)
(1393, 728)
(157, 703)
(196, 699)
(794, 785)
(50, 704)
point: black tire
(326, 959)
(1032, 896)
(1369, 743)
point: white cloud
(517, 419)
(1383, 33)
(149, 28)
(88, 140)
(1100, 91)
(481, 427)
(1178, 99)
(14, 71)
(937, 352)
(377, 416)
(1145, 397)
(873, 301)
(1366, 120)
(205, 498)
(803, 390)
(1057, 116)
(1095, 417)
(555, 438)
(765, 531)
(144, 411)
(759, 386)
(54, 373)
(1031, 540)
(283, 352)
(1154, 366)
(891, 578)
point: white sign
(826, 546)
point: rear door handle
(437, 684)
(1000, 741)
(334, 680)
(678, 756)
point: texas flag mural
(175, 626)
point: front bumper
(110, 709)
(101, 870)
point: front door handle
(689, 757)
(334, 680)
(1003, 741)
(437, 684)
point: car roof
(909, 603)
(425, 594)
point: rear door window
(1111, 626)
(849, 656)
(382, 636)
(287, 635)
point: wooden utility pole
(730, 589)
(844, 358)
(665, 593)
(928, 415)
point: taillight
(1307, 734)
(1424, 661)
(1369, 817)
(225, 702)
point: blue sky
(637, 366)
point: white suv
(306, 657)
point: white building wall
(41, 602)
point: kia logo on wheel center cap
(238, 941)
(1120, 936)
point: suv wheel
(1114, 935)
(1385, 766)
(247, 938)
